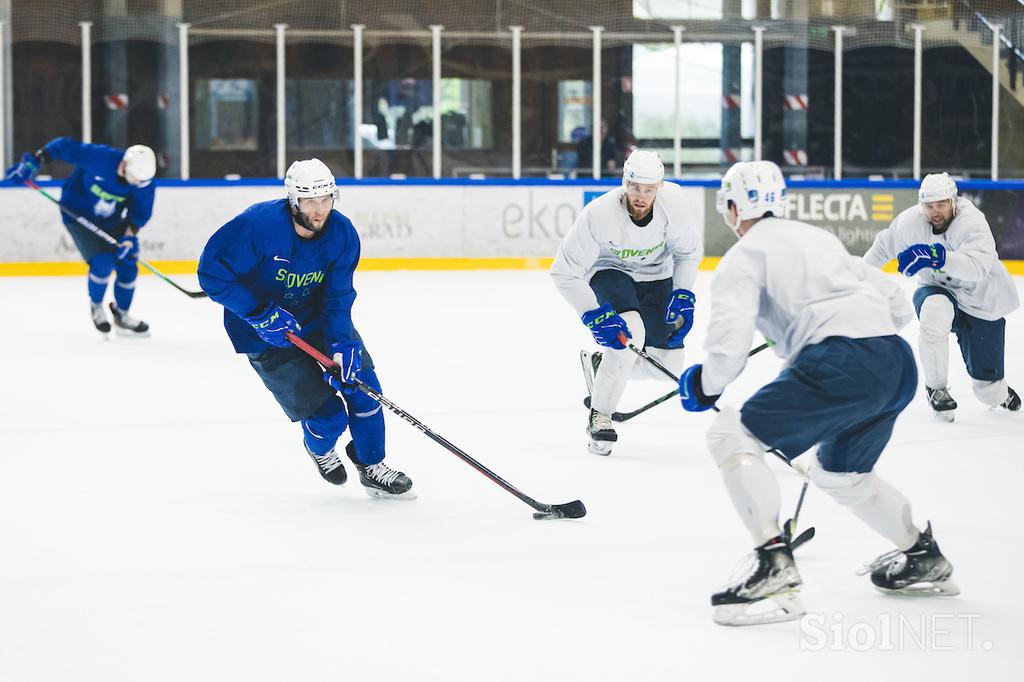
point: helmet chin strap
(734, 226)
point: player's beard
(941, 226)
(303, 221)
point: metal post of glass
(183, 95)
(758, 88)
(357, 102)
(279, 29)
(517, 92)
(595, 102)
(435, 37)
(86, 80)
(677, 116)
(918, 70)
(996, 44)
(837, 110)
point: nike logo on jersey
(281, 260)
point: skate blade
(777, 608)
(945, 416)
(129, 334)
(600, 447)
(381, 495)
(942, 588)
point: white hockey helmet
(937, 187)
(644, 168)
(755, 188)
(139, 165)
(308, 178)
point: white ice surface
(159, 519)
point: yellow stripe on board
(188, 267)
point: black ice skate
(590, 362)
(380, 480)
(942, 403)
(1012, 400)
(99, 318)
(128, 325)
(329, 466)
(601, 433)
(767, 592)
(920, 571)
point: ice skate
(329, 465)
(99, 318)
(919, 571)
(590, 362)
(380, 480)
(767, 592)
(601, 433)
(127, 325)
(942, 403)
(1012, 402)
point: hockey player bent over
(848, 377)
(628, 264)
(962, 287)
(287, 265)
(111, 188)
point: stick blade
(569, 510)
(802, 538)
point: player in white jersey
(628, 265)
(848, 376)
(962, 287)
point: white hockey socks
(616, 366)
(754, 493)
(991, 393)
(933, 342)
(871, 499)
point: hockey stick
(626, 416)
(569, 510)
(790, 526)
(84, 222)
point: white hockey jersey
(797, 285)
(605, 238)
(973, 273)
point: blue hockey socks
(322, 430)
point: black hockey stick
(790, 525)
(569, 510)
(84, 222)
(626, 416)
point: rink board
(460, 225)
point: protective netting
(867, 22)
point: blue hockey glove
(920, 256)
(691, 393)
(128, 247)
(272, 325)
(605, 324)
(349, 359)
(25, 169)
(680, 312)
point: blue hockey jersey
(257, 259)
(94, 190)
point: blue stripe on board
(544, 182)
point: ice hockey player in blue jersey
(848, 376)
(287, 265)
(113, 189)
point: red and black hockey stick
(569, 510)
(789, 527)
(87, 224)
